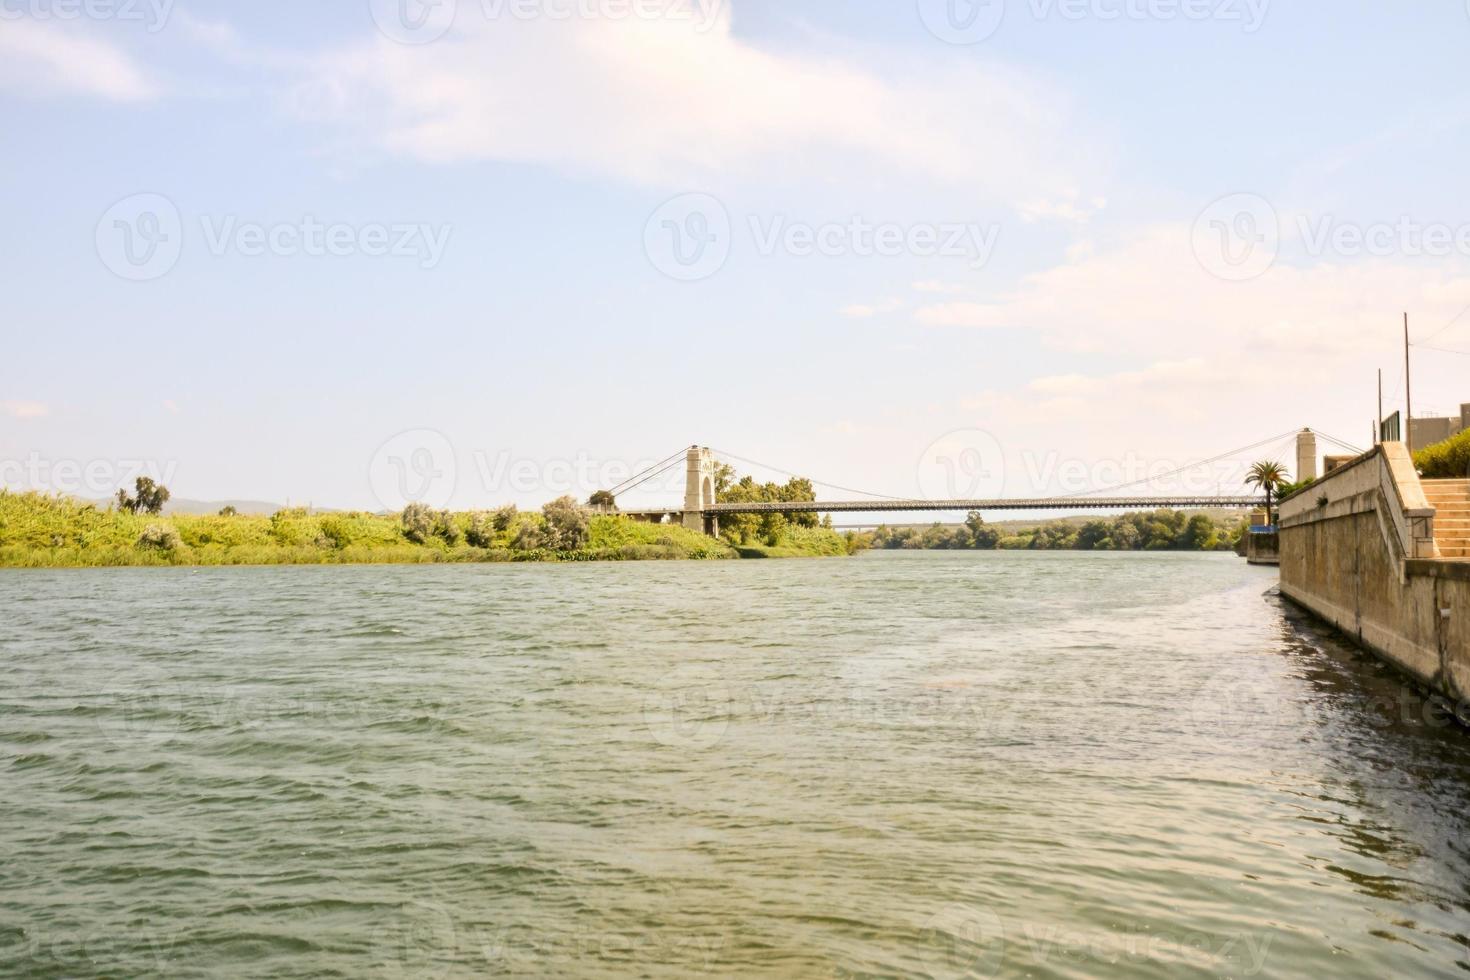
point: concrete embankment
(1359, 549)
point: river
(899, 764)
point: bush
(566, 524)
(528, 536)
(160, 536)
(481, 533)
(1448, 460)
(418, 523)
(444, 527)
(336, 530)
(293, 527)
(505, 518)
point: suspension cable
(820, 483)
(670, 465)
(629, 481)
(1276, 439)
(1341, 444)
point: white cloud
(862, 311)
(24, 410)
(1150, 296)
(962, 313)
(1068, 208)
(935, 286)
(46, 59)
(659, 102)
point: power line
(1444, 328)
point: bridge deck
(1012, 503)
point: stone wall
(1357, 549)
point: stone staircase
(1451, 501)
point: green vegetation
(1448, 460)
(768, 530)
(1160, 530)
(796, 541)
(37, 530)
(778, 534)
(1285, 490)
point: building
(1428, 431)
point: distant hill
(214, 506)
(182, 506)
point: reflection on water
(994, 764)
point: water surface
(945, 764)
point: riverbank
(1368, 550)
(39, 531)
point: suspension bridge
(701, 510)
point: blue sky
(1199, 222)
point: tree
(741, 528)
(566, 524)
(149, 497)
(1200, 534)
(982, 535)
(1267, 475)
(1094, 536)
(228, 510)
(603, 499)
(1124, 535)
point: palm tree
(1268, 476)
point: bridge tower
(1306, 455)
(699, 491)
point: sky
(357, 252)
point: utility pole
(1408, 396)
